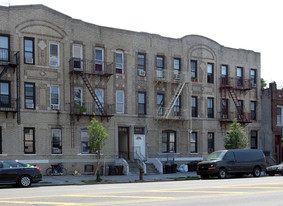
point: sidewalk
(90, 179)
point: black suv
(236, 162)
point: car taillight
(39, 169)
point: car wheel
(25, 181)
(256, 172)
(222, 174)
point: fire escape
(173, 110)
(233, 87)
(9, 103)
(89, 71)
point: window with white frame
(4, 48)
(177, 65)
(54, 97)
(84, 142)
(77, 57)
(99, 59)
(100, 95)
(29, 95)
(56, 135)
(5, 96)
(120, 101)
(29, 50)
(253, 78)
(141, 61)
(210, 73)
(119, 62)
(54, 54)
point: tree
(97, 138)
(263, 83)
(236, 137)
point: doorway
(123, 143)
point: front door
(139, 143)
(123, 142)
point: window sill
(30, 154)
(3, 155)
(85, 154)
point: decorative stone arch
(42, 28)
(202, 52)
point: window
(119, 101)
(141, 103)
(54, 55)
(224, 74)
(168, 141)
(193, 143)
(194, 106)
(29, 96)
(159, 66)
(54, 97)
(177, 66)
(78, 96)
(177, 106)
(56, 141)
(194, 70)
(210, 108)
(141, 61)
(210, 73)
(5, 94)
(253, 77)
(210, 142)
(254, 140)
(100, 95)
(4, 48)
(1, 150)
(160, 104)
(29, 141)
(99, 59)
(239, 76)
(29, 50)
(279, 115)
(224, 109)
(253, 110)
(240, 109)
(84, 142)
(119, 62)
(78, 57)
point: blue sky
(249, 24)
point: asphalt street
(233, 191)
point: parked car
(13, 172)
(275, 169)
(236, 162)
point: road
(235, 191)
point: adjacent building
(272, 123)
(157, 97)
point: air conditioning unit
(29, 60)
(177, 76)
(29, 105)
(141, 73)
(55, 106)
(78, 64)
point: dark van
(236, 162)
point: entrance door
(123, 142)
(139, 142)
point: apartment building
(157, 97)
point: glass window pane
(4, 41)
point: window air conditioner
(55, 106)
(29, 105)
(141, 73)
(29, 60)
(177, 76)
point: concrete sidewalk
(91, 179)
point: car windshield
(216, 156)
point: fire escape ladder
(4, 70)
(239, 107)
(174, 99)
(94, 96)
